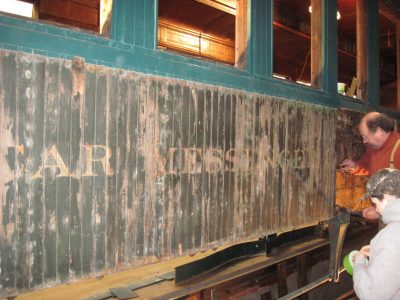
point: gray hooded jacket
(379, 279)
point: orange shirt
(376, 159)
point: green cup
(348, 261)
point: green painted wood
(9, 160)
(22, 199)
(230, 146)
(34, 37)
(63, 193)
(87, 184)
(177, 195)
(122, 168)
(36, 149)
(125, 146)
(130, 183)
(76, 166)
(100, 168)
(220, 151)
(140, 241)
(114, 223)
(166, 96)
(134, 22)
(260, 54)
(47, 172)
(198, 191)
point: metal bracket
(337, 230)
(126, 292)
(217, 259)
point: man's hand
(347, 165)
(370, 213)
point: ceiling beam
(228, 6)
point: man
(383, 150)
(379, 277)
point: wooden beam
(390, 13)
(241, 34)
(228, 6)
(316, 43)
(282, 279)
(302, 274)
(362, 50)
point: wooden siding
(103, 169)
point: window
(292, 42)
(203, 28)
(19, 8)
(388, 63)
(92, 15)
(347, 48)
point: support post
(282, 279)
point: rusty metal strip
(134, 286)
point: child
(379, 278)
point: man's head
(383, 185)
(375, 129)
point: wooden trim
(388, 12)
(316, 43)
(241, 34)
(362, 50)
(175, 37)
(227, 6)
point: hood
(391, 212)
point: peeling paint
(113, 169)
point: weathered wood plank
(177, 191)
(8, 171)
(87, 179)
(76, 166)
(199, 105)
(113, 221)
(140, 198)
(23, 95)
(167, 151)
(131, 179)
(63, 196)
(189, 162)
(209, 168)
(49, 170)
(105, 169)
(219, 152)
(150, 141)
(36, 148)
(101, 169)
(123, 168)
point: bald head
(375, 120)
(375, 129)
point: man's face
(372, 139)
